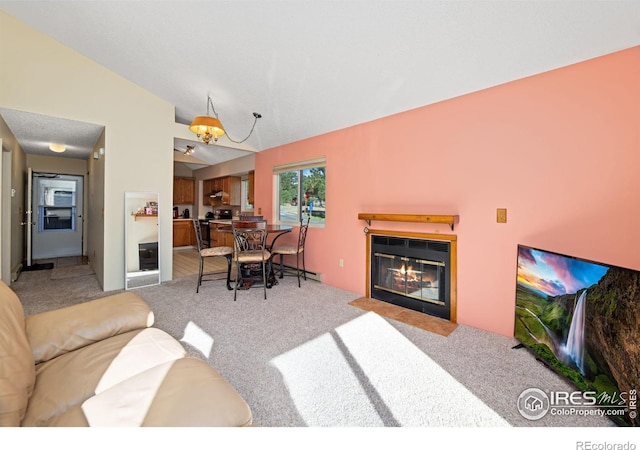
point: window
(56, 204)
(245, 206)
(300, 191)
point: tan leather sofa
(100, 363)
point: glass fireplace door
(411, 277)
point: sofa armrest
(63, 330)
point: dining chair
(250, 241)
(298, 250)
(211, 252)
(251, 218)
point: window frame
(244, 194)
(299, 167)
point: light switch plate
(501, 215)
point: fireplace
(413, 272)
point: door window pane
(57, 218)
(56, 204)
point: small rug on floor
(60, 273)
(38, 266)
(414, 318)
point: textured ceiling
(35, 132)
(315, 66)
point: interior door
(57, 215)
(6, 243)
(28, 216)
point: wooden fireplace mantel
(424, 218)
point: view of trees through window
(302, 199)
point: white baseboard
(291, 269)
(15, 272)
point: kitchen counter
(221, 221)
(180, 218)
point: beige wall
(182, 170)
(57, 164)
(94, 195)
(13, 231)
(40, 75)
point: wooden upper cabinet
(207, 187)
(251, 181)
(189, 190)
(230, 187)
(234, 187)
(184, 190)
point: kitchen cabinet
(234, 187)
(230, 187)
(225, 239)
(214, 235)
(250, 187)
(183, 233)
(207, 188)
(220, 238)
(184, 191)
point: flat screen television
(582, 319)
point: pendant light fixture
(207, 127)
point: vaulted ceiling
(314, 66)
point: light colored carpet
(306, 358)
(60, 273)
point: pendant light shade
(206, 127)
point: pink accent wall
(559, 150)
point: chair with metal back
(250, 240)
(298, 250)
(212, 252)
(251, 218)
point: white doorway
(57, 220)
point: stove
(219, 216)
(224, 214)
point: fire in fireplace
(413, 273)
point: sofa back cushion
(17, 367)
(59, 331)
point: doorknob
(27, 223)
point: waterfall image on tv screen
(582, 319)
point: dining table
(274, 231)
